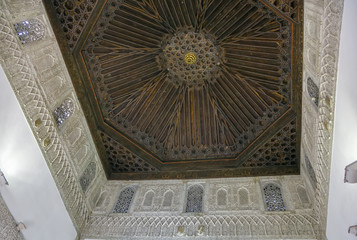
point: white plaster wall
(342, 206)
(32, 195)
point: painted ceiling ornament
(30, 30)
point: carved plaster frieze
(331, 27)
(37, 74)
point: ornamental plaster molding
(8, 226)
(31, 68)
(244, 226)
(331, 27)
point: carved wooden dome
(188, 89)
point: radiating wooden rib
(163, 116)
(168, 13)
(223, 22)
(267, 34)
(120, 77)
(264, 87)
(163, 14)
(153, 107)
(110, 36)
(131, 66)
(238, 29)
(117, 98)
(252, 64)
(241, 68)
(128, 39)
(118, 64)
(248, 31)
(251, 46)
(142, 16)
(260, 77)
(118, 58)
(119, 53)
(208, 114)
(136, 103)
(149, 42)
(161, 136)
(148, 95)
(187, 118)
(269, 60)
(201, 16)
(127, 25)
(172, 123)
(225, 110)
(237, 113)
(175, 12)
(190, 12)
(183, 11)
(132, 98)
(213, 12)
(151, 10)
(237, 105)
(164, 96)
(261, 95)
(246, 107)
(131, 78)
(246, 92)
(181, 14)
(122, 87)
(193, 11)
(142, 25)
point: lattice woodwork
(122, 159)
(124, 200)
(273, 198)
(73, 16)
(288, 7)
(280, 150)
(194, 201)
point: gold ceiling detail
(190, 58)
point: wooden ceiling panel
(181, 89)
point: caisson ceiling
(189, 88)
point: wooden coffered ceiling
(189, 88)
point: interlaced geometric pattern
(280, 150)
(73, 16)
(124, 200)
(122, 159)
(194, 199)
(273, 198)
(288, 7)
